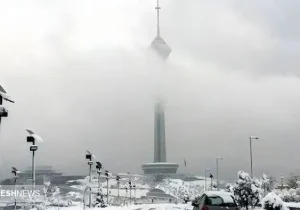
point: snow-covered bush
(273, 202)
(246, 190)
(230, 188)
(289, 195)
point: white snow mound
(274, 200)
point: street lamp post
(126, 190)
(255, 138)
(32, 138)
(99, 167)
(134, 188)
(15, 172)
(130, 186)
(118, 181)
(107, 176)
(211, 182)
(206, 170)
(89, 157)
(281, 183)
(217, 161)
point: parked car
(215, 200)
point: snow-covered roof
(226, 196)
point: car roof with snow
(226, 196)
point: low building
(42, 174)
(282, 186)
(159, 196)
(160, 168)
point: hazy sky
(82, 77)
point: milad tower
(160, 164)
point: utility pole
(217, 160)
(205, 178)
(256, 138)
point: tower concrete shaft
(160, 165)
(159, 133)
(163, 51)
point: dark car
(215, 200)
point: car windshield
(220, 200)
(215, 201)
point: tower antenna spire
(158, 8)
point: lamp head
(3, 111)
(98, 165)
(4, 95)
(89, 155)
(33, 136)
(15, 171)
(30, 139)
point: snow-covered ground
(175, 187)
(294, 205)
(137, 207)
(179, 188)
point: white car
(215, 200)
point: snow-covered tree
(292, 181)
(269, 182)
(186, 198)
(230, 188)
(246, 190)
(99, 201)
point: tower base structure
(160, 168)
